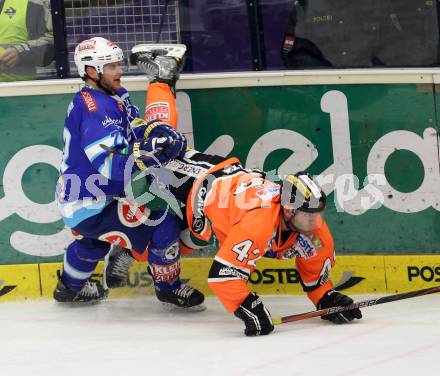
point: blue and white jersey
(90, 175)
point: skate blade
(174, 50)
(79, 304)
(169, 307)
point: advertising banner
(373, 147)
(352, 275)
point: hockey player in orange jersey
(251, 218)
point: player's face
(302, 221)
(111, 78)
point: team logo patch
(117, 238)
(10, 12)
(131, 214)
(172, 252)
(158, 111)
(89, 101)
(120, 106)
(198, 225)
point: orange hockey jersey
(243, 210)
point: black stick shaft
(363, 304)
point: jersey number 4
(242, 250)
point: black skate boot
(92, 292)
(116, 267)
(183, 297)
(160, 62)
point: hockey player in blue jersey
(101, 151)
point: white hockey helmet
(96, 52)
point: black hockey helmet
(300, 192)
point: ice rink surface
(137, 337)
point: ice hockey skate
(116, 267)
(184, 298)
(92, 292)
(160, 62)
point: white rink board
(137, 337)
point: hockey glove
(160, 145)
(333, 298)
(162, 149)
(255, 316)
(159, 129)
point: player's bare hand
(10, 57)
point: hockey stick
(363, 304)
(148, 155)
